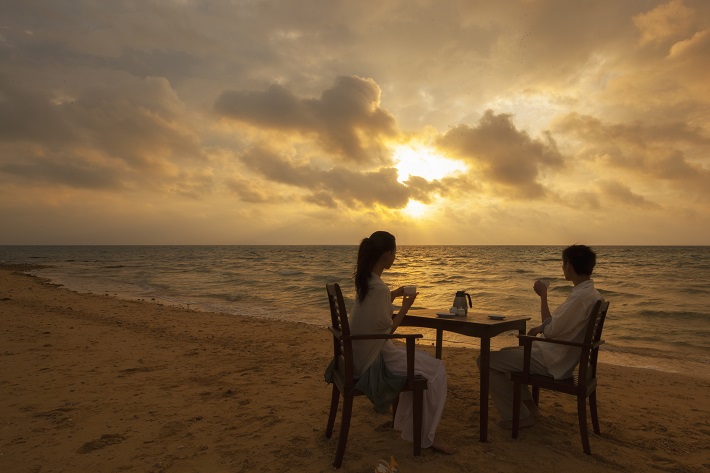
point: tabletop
(474, 324)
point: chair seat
(568, 385)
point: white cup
(453, 310)
(461, 311)
(410, 290)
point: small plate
(446, 315)
(496, 317)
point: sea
(659, 313)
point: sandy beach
(96, 383)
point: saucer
(446, 315)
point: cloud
(695, 47)
(426, 191)
(104, 137)
(665, 22)
(622, 194)
(248, 191)
(504, 155)
(347, 119)
(376, 187)
(654, 152)
(216, 108)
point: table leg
(485, 373)
(439, 342)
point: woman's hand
(406, 304)
(533, 332)
(399, 292)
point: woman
(372, 313)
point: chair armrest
(527, 340)
(410, 338)
(386, 336)
(374, 336)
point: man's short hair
(581, 257)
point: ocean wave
(675, 315)
(655, 352)
(694, 290)
(619, 294)
(289, 272)
(448, 280)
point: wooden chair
(344, 381)
(583, 384)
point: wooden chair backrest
(342, 345)
(590, 352)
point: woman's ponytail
(369, 252)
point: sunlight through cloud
(415, 209)
(423, 162)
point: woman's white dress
(374, 315)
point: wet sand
(95, 383)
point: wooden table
(474, 325)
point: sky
(519, 122)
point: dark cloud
(100, 138)
(326, 186)
(29, 116)
(503, 154)
(583, 199)
(637, 133)
(322, 199)
(619, 193)
(652, 150)
(425, 191)
(248, 191)
(70, 171)
(346, 119)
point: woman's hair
(581, 257)
(370, 251)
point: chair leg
(334, 399)
(593, 411)
(344, 429)
(395, 403)
(517, 387)
(536, 395)
(582, 413)
(418, 408)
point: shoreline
(691, 363)
(96, 383)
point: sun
(415, 209)
(424, 162)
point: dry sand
(91, 383)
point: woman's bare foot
(442, 446)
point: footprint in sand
(104, 441)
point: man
(567, 322)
